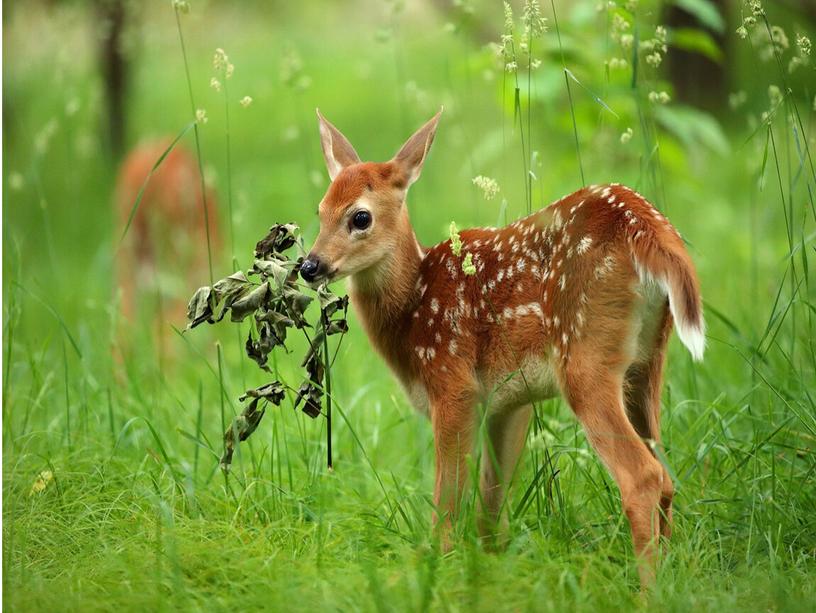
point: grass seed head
(490, 187)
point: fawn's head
(363, 214)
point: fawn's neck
(385, 296)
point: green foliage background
(137, 516)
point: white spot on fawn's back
(583, 245)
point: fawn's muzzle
(311, 268)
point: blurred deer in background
(579, 298)
(164, 253)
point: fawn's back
(541, 284)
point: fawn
(578, 297)
(165, 247)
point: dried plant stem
(327, 362)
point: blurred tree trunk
(114, 66)
(698, 80)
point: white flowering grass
(490, 187)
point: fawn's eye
(361, 220)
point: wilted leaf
(297, 302)
(41, 482)
(277, 304)
(199, 309)
(330, 303)
(242, 426)
(311, 396)
(280, 238)
(249, 303)
(275, 269)
(273, 392)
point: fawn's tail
(660, 257)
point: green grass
(138, 515)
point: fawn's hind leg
(595, 393)
(644, 380)
(506, 434)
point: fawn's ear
(337, 150)
(413, 153)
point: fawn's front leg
(453, 419)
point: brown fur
(167, 237)
(567, 299)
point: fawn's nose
(309, 268)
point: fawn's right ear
(337, 150)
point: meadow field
(112, 494)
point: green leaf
(705, 11)
(693, 127)
(697, 41)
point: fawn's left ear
(411, 156)
(337, 150)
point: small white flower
(215, 84)
(245, 101)
(182, 6)
(803, 42)
(659, 97)
(626, 136)
(737, 99)
(220, 59)
(201, 116)
(660, 34)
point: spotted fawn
(577, 298)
